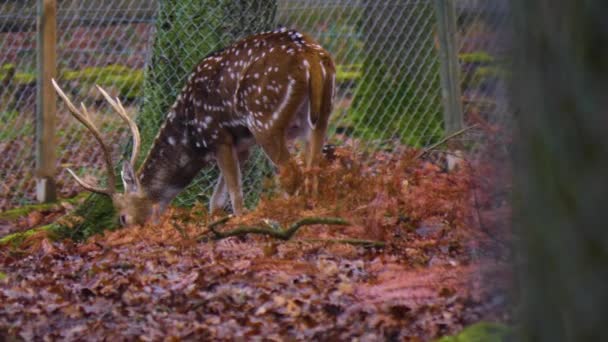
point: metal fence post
(46, 101)
(448, 53)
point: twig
(313, 220)
(181, 231)
(355, 242)
(273, 230)
(214, 224)
(443, 141)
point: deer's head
(133, 206)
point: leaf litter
(438, 272)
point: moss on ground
(93, 217)
(15, 213)
(481, 332)
(15, 239)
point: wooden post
(46, 101)
(450, 71)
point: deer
(267, 89)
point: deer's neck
(173, 160)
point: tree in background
(400, 89)
(186, 31)
(561, 82)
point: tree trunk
(560, 82)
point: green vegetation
(386, 107)
(337, 31)
(127, 81)
(13, 214)
(92, 217)
(481, 332)
(476, 57)
(15, 239)
(348, 72)
(486, 73)
(398, 95)
(480, 68)
(8, 72)
(11, 118)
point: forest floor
(436, 260)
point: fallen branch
(272, 229)
(443, 141)
(182, 232)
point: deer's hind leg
(312, 155)
(275, 147)
(272, 134)
(318, 132)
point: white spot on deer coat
(285, 100)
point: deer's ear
(129, 179)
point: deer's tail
(322, 79)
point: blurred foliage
(12, 118)
(476, 57)
(7, 71)
(481, 69)
(385, 107)
(481, 332)
(560, 77)
(348, 73)
(8, 74)
(398, 93)
(336, 31)
(128, 82)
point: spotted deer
(266, 89)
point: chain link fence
(386, 52)
(99, 42)
(484, 43)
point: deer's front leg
(220, 195)
(228, 163)
(219, 198)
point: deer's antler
(84, 118)
(117, 105)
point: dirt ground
(434, 260)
